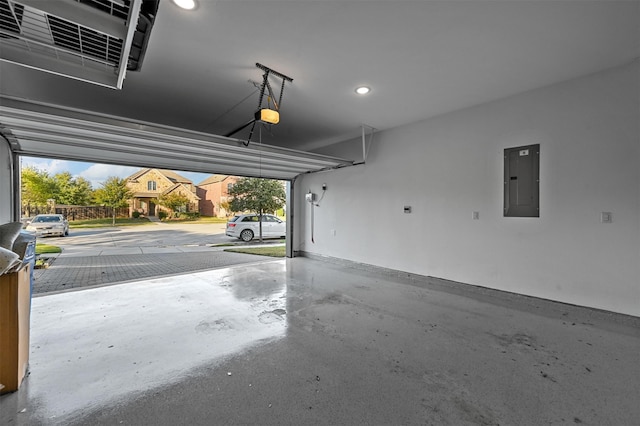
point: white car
(49, 224)
(247, 226)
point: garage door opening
(167, 222)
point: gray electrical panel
(522, 181)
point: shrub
(184, 216)
(162, 215)
(191, 215)
(135, 214)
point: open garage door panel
(47, 131)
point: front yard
(105, 223)
(141, 221)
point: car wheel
(246, 235)
(66, 233)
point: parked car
(247, 226)
(49, 224)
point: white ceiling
(421, 59)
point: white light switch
(476, 215)
(606, 217)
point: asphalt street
(100, 256)
(158, 237)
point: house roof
(186, 191)
(169, 174)
(137, 174)
(213, 179)
(174, 176)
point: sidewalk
(119, 264)
(103, 250)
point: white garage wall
(447, 167)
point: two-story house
(214, 194)
(148, 185)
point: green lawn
(278, 251)
(102, 223)
(47, 248)
(210, 219)
(202, 219)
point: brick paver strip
(75, 272)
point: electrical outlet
(606, 217)
(324, 186)
(476, 215)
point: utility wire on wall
(311, 199)
(312, 225)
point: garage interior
(410, 295)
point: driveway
(99, 256)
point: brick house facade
(213, 193)
(149, 184)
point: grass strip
(278, 251)
(200, 220)
(105, 223)
(47, 249)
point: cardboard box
(15, 313)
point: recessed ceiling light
(186, 4)
(362, 90)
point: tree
(226, 206)
(114, 193)
(173, 201)
(258, 196)
(70, 190)
(63, 183)
(81, 192)
(36, 188)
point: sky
(95, 173)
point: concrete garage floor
(301, 341)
